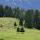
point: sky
(25, 4)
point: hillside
(8, 22)
(9, 33)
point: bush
(20, 29)
(28, 26)
(21, 22)
(38, 27)
(1, 25)
(15, 24)
(1, 39)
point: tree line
(30, 16)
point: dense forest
(30, 16)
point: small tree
(15, 24)
(22, 30)
(36, 20)
(18, 29)
(21, 22)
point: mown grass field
(8, 32)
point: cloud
(10, 2)
(17, 2)
(27, 1)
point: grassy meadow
(8, 32)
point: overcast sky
(25, 4)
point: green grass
(8, 22)
(11, 34)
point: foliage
(1, 25)
(1, 39)
(21, 22)
(15, 24)
(28, 18)
(31, 17)
(20, 29)
(36, 19)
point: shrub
(38, 27)
(20, 29)
(21, 22)
(29, 27)
(1, 39)
(1, 25)
(15, 24)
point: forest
(30, 16)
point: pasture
(8, 32)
